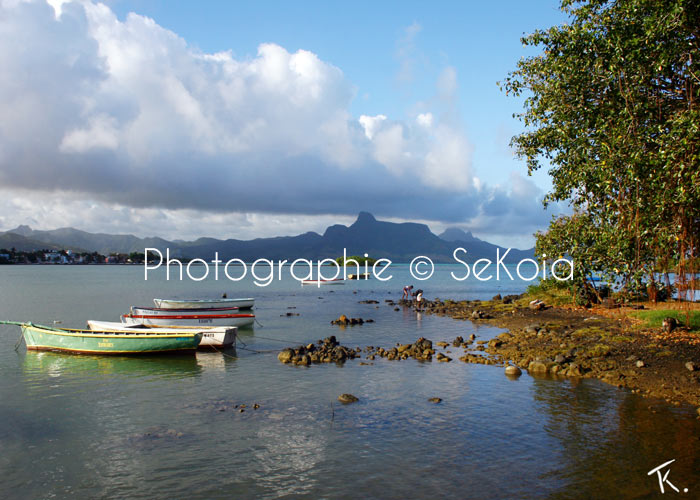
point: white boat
(337, 281)
(160, 311)
(188, 317)
(222, 337)
(246, 303)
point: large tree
(613, 107)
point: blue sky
(371, 42)
(177, 118)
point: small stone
(513, 371)
(691, 366)
(559, 358)
(640, 364)
(435, 400)
(347, 398)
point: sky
(255, 119)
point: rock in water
(513, 371)
(435, 400)
(347, 398)
(537, 367)
(286, 356)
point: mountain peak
(22, 230)
(456, 234)
(365, 217)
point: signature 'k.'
(663, 478)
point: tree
(612, 107)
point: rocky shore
(584, 343)
(547, 342)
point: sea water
(170, 427)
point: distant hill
(24, 244)
(70, 238)
(399, 242)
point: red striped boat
(213, 316)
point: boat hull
(246, 303)
(191, 320)
(220, 337)
(159, 311)
(101, 342)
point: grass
(654, 318)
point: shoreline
(563, 342)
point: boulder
(537, 367)
(286, 355)
(691, 366)
(513, 371)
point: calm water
(87, 427)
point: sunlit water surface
(166, 427)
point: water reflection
(606, 437)
(55, 365)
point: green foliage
(361, 259)
(612, 108)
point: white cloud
(125, 114)
(101, 133)
(425, 119)
(371, 124)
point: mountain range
(399, 242)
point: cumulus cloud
(124, 113)
(127, 112)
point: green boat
(45, 338)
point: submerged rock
(435, 400)
(344, 320)
(347, 398)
